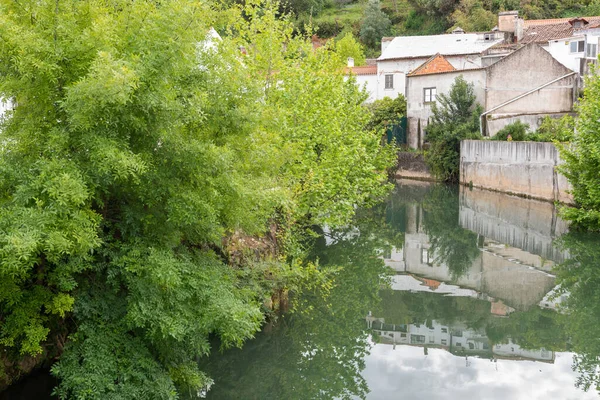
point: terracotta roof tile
(543, 30)
(434, 65)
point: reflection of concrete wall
(524, 224)
(519, 285)
(523, 168)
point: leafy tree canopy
(375, 25)
(348, 46)
(134, 147)
(582, 160)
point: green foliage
(554, 130)
(348, 46)
(518, 131)
(321, 344)
(455, 119)
(375, 25)
(451, 245)
(385, 112)
(471, 16)
(582, 160)
(579, 279)
(134, 148)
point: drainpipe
(519, 97)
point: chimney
(507, 21)
(350, 62)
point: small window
(403, 335)
(471, 346)
(488, 36)
(444, 330)
(429, 95)
(389, 81)
(592, 50)
(577, 47)
(458, 344)
(444, 342)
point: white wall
(400, 68)
(561, 51)
(369, 82)
(417, 110)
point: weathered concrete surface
(522, 168)
(525, 224)
(412, 166)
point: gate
(397, 132)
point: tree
(582, 160)
(471, 16)
(347, 47)
(454, 119)
(385, 112)
(374, 26)
(133, 150)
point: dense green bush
(517, 132)
(554, 130)
(385, 112)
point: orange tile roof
(434, 65)
(543, 30)
(363, 70)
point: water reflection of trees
(452, 245)
(317, 351)
(579, 277)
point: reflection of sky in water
(406, 373)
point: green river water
(440, 293)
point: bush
(517, 131)
(554, 130)
(385, 112)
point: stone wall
(522, 168)
(412, 166)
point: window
(444, 342)
(592, 50)
(417, 339)
(426, 257)
(488, 36)
(403, 335)
(444, 330)
(431, 339)
(389, 81)
(577, 47)
(458, 344)
(471, 346)
(429, 95)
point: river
(437, 293)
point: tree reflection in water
(317, 351)
(452, 245)
(579, 278)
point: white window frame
(578, 44)
(429, 95)
(589, 53)
(389, 81)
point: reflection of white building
(513, 351)
(456, 339)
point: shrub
(517, 131)
(554, 130)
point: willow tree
(134, 145)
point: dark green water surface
(442, 294)
(437, 293)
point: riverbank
(411, 165)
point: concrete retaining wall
(522, 168)
(412, 166)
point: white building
(403, 54)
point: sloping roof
(363, 70)
(434, 65)
(544, 30)
(426, 46)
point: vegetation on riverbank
(136, 149)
